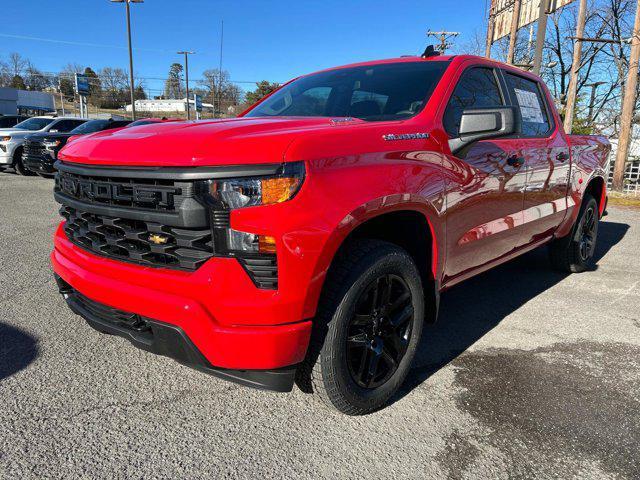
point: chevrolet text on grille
(95, 190)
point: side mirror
(482, 123)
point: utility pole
(594, 86)
(61, 97)
(219, 92)
(513, 37)
(628, 105)
(186, 72)
(443, 36)
(575, 67)
(132, 86)
(490, 25)
(540, 37)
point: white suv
(12, 139)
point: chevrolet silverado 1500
(309, 239)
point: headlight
(5, 139)
(251, 191)
(228, 194)
(51, 143)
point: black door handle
(515, 161)
(562, 157)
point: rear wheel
(574, 253)
(367, 330)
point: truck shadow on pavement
(470, 310)
(18, 349)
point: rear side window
(527, 96)
(477, 88)
(66, 125)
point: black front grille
(33, 148)
(152, 217)
(147, 194)
(36, 158)
(146, 243)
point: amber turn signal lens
(278, 189)
(266, 244)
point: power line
(81, 44)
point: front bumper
(167, 340)
(6, 157)
(233, 324)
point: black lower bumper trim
(168, 340)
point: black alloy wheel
(379, 331)
(367, 328)
(575, 252)
(588, 232)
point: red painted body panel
(479, 212)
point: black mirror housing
(483, 123)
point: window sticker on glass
(529, 106)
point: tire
(574, 253)
(357, 329)
(18, 166)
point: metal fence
(631, 176)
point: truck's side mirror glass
(482, 123)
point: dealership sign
(82, 84)
(529, 10)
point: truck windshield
(390, 91)
(34, 123)
(90, 127)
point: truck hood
(41, 136)
(218, 142)
(16, 132)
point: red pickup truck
(309, 239)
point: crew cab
(310, 238)
(40, 150)
(12, 139)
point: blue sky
(274, 40)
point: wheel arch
(597, 187)
(409, 225)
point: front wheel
(574, 253)
(18, 166)
(368, 328)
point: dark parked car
(8, 121)
(41, 149)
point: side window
(477, 88)
(66, 125)
(527, 96)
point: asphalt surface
(529, 373)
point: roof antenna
(430, 51)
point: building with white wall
(167, 105)
(14, 101)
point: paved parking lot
(529, 373)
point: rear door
(546, 153)
(485, 185)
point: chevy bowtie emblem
(158, 239)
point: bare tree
(600, 62)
